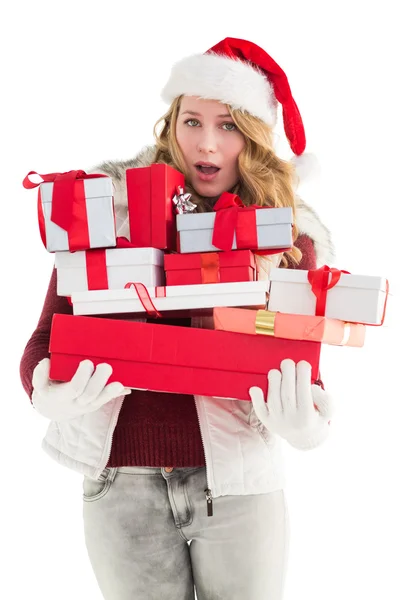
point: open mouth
(207, 170)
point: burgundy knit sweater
(154, 429)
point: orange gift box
(290, 326)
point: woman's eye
(227, 126)
(191, 121)
(231, 127)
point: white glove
(85, 393)
(290, 410)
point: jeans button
(169, 469)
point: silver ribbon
(183, 203)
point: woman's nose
(207, 142)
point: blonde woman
(185, 493)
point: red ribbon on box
(68, 208)
(210, 272)
(384, 307)
(322, 280)
(96, 269)
(96, 266)
(144, 297)
(97, 279)
(325, 278)
(161, 291)
(227, 223)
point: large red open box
(173, 359)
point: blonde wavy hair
(264, 178)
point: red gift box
(209, 267)
(150, 192)
(168, 358)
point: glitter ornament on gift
(183, 203)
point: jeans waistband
(152, 470)
(139, 470)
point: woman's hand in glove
(295, 409)
(86, 392)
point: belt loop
(112, 473)
(108, 474)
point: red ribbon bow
(65, 192)
(68, 207)
(320, 284)
(227, 223)
(322, 280)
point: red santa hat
(243, 75)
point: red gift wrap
(151, 210)
(68, 209)
(209, 267)
(233, 217)
(166, 358)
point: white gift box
(144, 265)
(99, 210)
(355, 298)
(197, 298)
(274, 230)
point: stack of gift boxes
(179, 262)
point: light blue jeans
(149, 536)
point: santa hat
(243, 75)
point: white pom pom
(307, 167)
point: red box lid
(102, 338)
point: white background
(80, 84)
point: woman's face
(207, 135)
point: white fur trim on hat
(307, 166)
(229, 80)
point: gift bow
(227, 223)
(183, 204)
(64, 193)
(324, 279)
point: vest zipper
(209, 502)
(114, 424)
(208, 493)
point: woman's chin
(208, 190)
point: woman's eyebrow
(196, 114)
